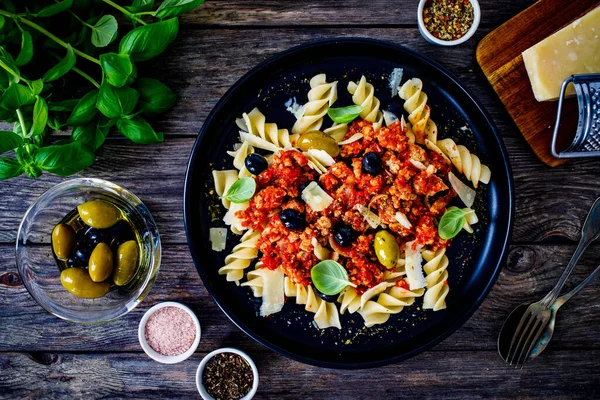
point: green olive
(318, 140)
(99, 214)
(78, 282)
(63, 241)
(127, 261)
(386, 249)
(101, 263)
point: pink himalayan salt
(170, 331)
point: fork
(538, 314)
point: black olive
(120, 233)
(371, 164)
(326, 297)
(80, 257)
(255, 163)
(343, 235)
(292, 219)
(90, 237)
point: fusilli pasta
(437, 279)
(255, 280)
(363, 94)
(223, 181)
(241, 257)
(257, 132)
(239, 156)
(326, 313)
(320, 97)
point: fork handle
(589, 233)
(591, 277)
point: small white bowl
(210, 355)
(432, 39)
(157, 356)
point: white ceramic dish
(210, 355)
(157, 356)
(432, 39)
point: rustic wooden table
(42, 356)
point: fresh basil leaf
(40, 116)
(91, 135)
(54, 9)
(9, 141)
(9, 168)
(66, 105)
(138, 130)
(26, 157)
(329, 277)
(148, 41)
(10, 64)
(26, 49)
(155, 96)
(85, 110)
(104, 31)
(173, 8)
(17, 96)
(114, 102)
(140, 6)
(56, 121)
(62, 67)
(241, 191)
(344, 115)
(64, 159)
(37, 86)
(117, 68)
(451, 223)
(2, 21)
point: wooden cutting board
(499, 55)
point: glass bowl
(40, 273)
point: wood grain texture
(482, 374)
(531, 271)
(550, 203)
(499, 55)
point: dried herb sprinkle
(448, 19)
(227, 376)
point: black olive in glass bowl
(343, 235)
(255, 163)
(326, 297)
(81, 256)
(292, 219)
(120, 233)
(90, 237)
(371, 164)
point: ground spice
(448, 19)
(170, 331)
(227, 376)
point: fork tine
(524, 318)
(536, 322)
(533, 341)
(521, 334)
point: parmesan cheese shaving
(273, 293)
(372, 219)
(403, 220)
(316, 197)
(218, 238)
(351, 139)
(414, 268)
(466, 194)
(389, 118)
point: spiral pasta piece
(257, 132)
(337, 131)
(437, 279)
(349, 300)
(241, 257)
(255, 280)
(239, 158)
(363, 94)
(223, 181)
(392, 301)
(415, 103)
(321, 96)
(326, 313)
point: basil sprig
(47, 43)
(329, 277)
(344, 115)
(241, 191)
(452, 222)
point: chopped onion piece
(414, 268)
(389, 117)
(418, 164)
(273, 293)
(351, 139)
(395, 79)
(466, 194)
(402, 220)
(218, 238)
(316, 197)
(372, 219)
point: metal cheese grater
(587, 138)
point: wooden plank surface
(44, 357)
(499, 55)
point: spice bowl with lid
(169, 332)
(458, 16)
(229, 371)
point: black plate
(475, 261)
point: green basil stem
(48, 34)
(124, 11)
(11, 71)
(22, 122)
(86, 76)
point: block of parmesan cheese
(575, 49)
